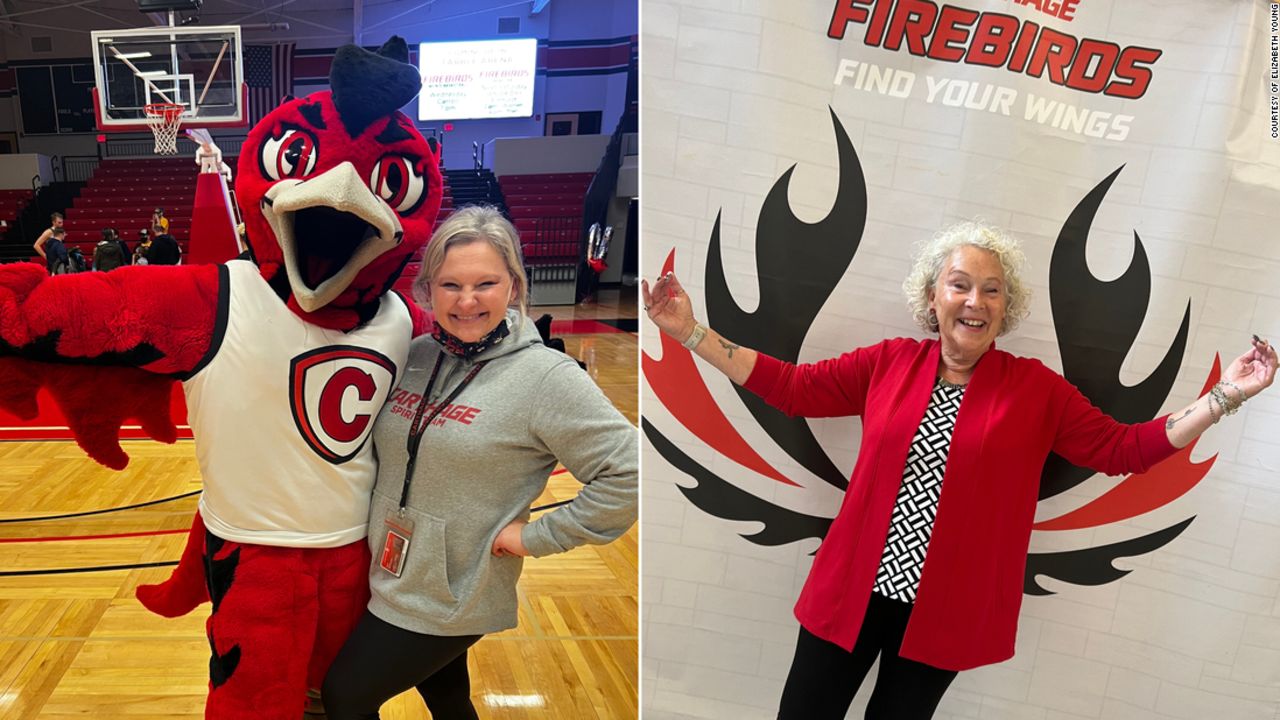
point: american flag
(268, 73)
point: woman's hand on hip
(508, 541)
(668, 306)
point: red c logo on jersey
(331, 403)
(335, 392)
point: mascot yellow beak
(329, 227)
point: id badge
(396, 547)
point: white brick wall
(735, 92)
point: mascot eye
(395, 181)
(293, 155)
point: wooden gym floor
(77, 644)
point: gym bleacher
(12, 203)
(546, 209)
(123, 193)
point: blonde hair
(475, 223)
(933, 253)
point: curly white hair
(932, 254)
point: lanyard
(418, 427)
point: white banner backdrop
(1132, 147)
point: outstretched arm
(829, 388)
(1248, 375)
(668, 306)
(160, 319)
(1090, 438)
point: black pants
(824, 678)
(380, 661)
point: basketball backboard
(200, 68)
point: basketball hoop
(164, 119)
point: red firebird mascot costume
(285, 358)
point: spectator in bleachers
(110, 236)
(144, 245)
(107, 256)
(158, 218)
(114, 236)
(164, 248)
(54, 250)
(55, 223)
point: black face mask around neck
(468, 350)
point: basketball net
(164, 119)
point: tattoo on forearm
(1168, 424)
(728, 346)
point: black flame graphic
(798, 265)
(1095, 565)
(1096, 324)
(723, 499)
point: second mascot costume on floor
(285, 358)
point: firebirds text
(954, 34)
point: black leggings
(824, 678)
(380, 661)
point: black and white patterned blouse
(917, 503)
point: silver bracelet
(1235, 387)
(1225, 403)
(695, 337)
(1216, 394)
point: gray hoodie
(480, 465)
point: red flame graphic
(1143, 492)
(677, 383)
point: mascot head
(338, 190)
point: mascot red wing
(285, 360)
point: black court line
(167, 563)
(99, 512)
(539, 509)
(99, 568)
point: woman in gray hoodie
(477, 422)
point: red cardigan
(1014, 412)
